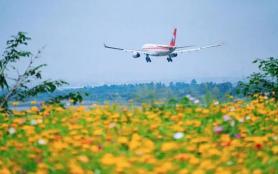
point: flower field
(235, 137)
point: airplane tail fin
(173, 41)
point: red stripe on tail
(173, 41)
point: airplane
(170, 50)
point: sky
(73, 33)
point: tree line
(23, 84)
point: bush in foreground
(17, 83)
(264, 82)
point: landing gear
(148, 59)
(169, 59)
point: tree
(19, 84)
(265, 82)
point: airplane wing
(195, 49)
(125, 50)
(187, 46)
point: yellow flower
(199, 171)
(94, 148)
(98, 132)
(203, 148)
(200, 139)
(168, 146)
(236, 143)
(177, 128)
(83, 159)
(205, 111)
(5, 171)
(164, 168)
(214, 151)
(58, 145)
(191, 147)
(121, 164)
(182, 157)
(34, 109)
(275, 150)
(108, 159)
(135, 141)
(150, 159)
(221, 170)
(59, 109)
(258, 140)
(81, 109)
(225, 138)
(115, 116)
(75, 168)
(183, 171)
(207, 165)
(122, 140)
(193, 160)
(29, 129)
(42, 169)
(147, 146)
(58, 166)
(257, 171)
(167, 166)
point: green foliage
(264, 82)
(18, 84)
(74, 97)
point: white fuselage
(158, 49)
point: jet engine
(174, 55)
(135, 55)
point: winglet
(222, 43)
